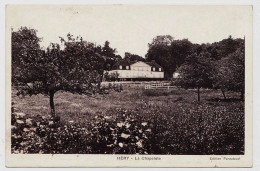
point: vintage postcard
(128, 86)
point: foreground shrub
(177, 129)
(103, 135)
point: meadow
(133, 121)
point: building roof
(122, 63)
(154, 64)
(128, 63)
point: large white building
(138, 70)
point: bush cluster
(201, 129)
(108, 87)
(104, 134)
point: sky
(131, 28)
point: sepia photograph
(134, 83)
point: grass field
(176, 122)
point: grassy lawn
(176, 122)
(77, 107)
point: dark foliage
(133, 57)
(77, 68)
(201, 129)
(230, 73)
(196, 72)
(112, 76)
(171, 54)
(110, 56)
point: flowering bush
(102, 135)
(201, 129)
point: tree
(221, 49)
(196, 72)
(110, 56)
(161, 40)
(161, 54)
(25, 45)
(230, 72)
(228, 46)
(133, 57)
(179, 50)
(169, 53)
(75, 69)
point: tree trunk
(52, 103)
(223, 94)
(100, 81)
(199, 94)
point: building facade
(138, 70)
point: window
(160, 69)
(127, 67)
(153, 69)
(120, 66)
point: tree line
(219, 65)
(76, 65)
